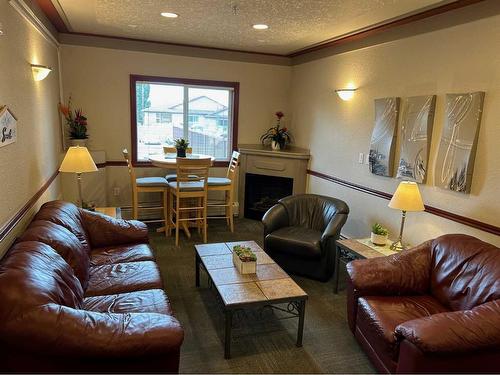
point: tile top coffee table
(270, 285)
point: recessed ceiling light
(260, 26)
(169, 15)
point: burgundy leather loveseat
(434, 308)
(80, 291)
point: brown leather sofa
(81, 292)
(300, 233)
(434, 308)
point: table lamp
(78, 160)
(406, 198)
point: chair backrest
(233, 165)
(465, 271)
(313, 211)
(131, 170)
(173, 150)
(190, 171)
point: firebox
(262, 192)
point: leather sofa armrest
(407, 272)
(105, 230)
(457, 331)
(59, 330)
(275, 218)
(332, 230)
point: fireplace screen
(262, 192)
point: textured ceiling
(293, 24)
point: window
(164, 109)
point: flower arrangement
(244, 259)
(75, 120)
(277, 135)
(379, 229)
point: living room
(289, 90)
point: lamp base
(398, 245)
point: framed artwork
(417, 118)
(8, 127)
(457, 148)
(382, 145)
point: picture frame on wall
(8, 126)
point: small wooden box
(244, 267)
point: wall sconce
(1, 29)
(40, 71)
(345, 94)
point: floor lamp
(78, 160)
(406, 198)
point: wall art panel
(457, 148)
(384, 137)
(417, 118)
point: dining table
(168, 161)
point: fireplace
(263, 191)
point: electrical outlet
(116, 191)
(361, 158)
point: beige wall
(458, 59)
(27, 164)
(98, 80)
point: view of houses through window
(165, 112)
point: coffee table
(268, 287)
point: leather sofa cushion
(67, 215)
(64, 242)
(297, 241)
(378, 317)
(465, 271)
(123, 278)
(121, 254)
(32, 274)
(144, 301)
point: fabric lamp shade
(407, 197)
(78, 160)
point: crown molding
(27, 13)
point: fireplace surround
(267, 175)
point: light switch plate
(361, 158)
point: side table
(348, 250)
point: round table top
(170, 160)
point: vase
(275, 146)
(181, 152)
(78, 142)
(378, 239)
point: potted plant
(77, 124)
(244, 259)
(379, 234)
(277, 135)
(181, 145)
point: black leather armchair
(300, 233)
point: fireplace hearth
(262, 192)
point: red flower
(285, 129)
(279, 115)
(64, 109)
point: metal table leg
(300, 330)
(227, 341)
(336, 270)
(197, 269)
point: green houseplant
(379, 234)
(244, 259)
(181, 145)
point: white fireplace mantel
(291, 162)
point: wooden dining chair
(172, 150)
(227, 186)
(188, 195)
(147, 185)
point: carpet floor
(262, 343)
